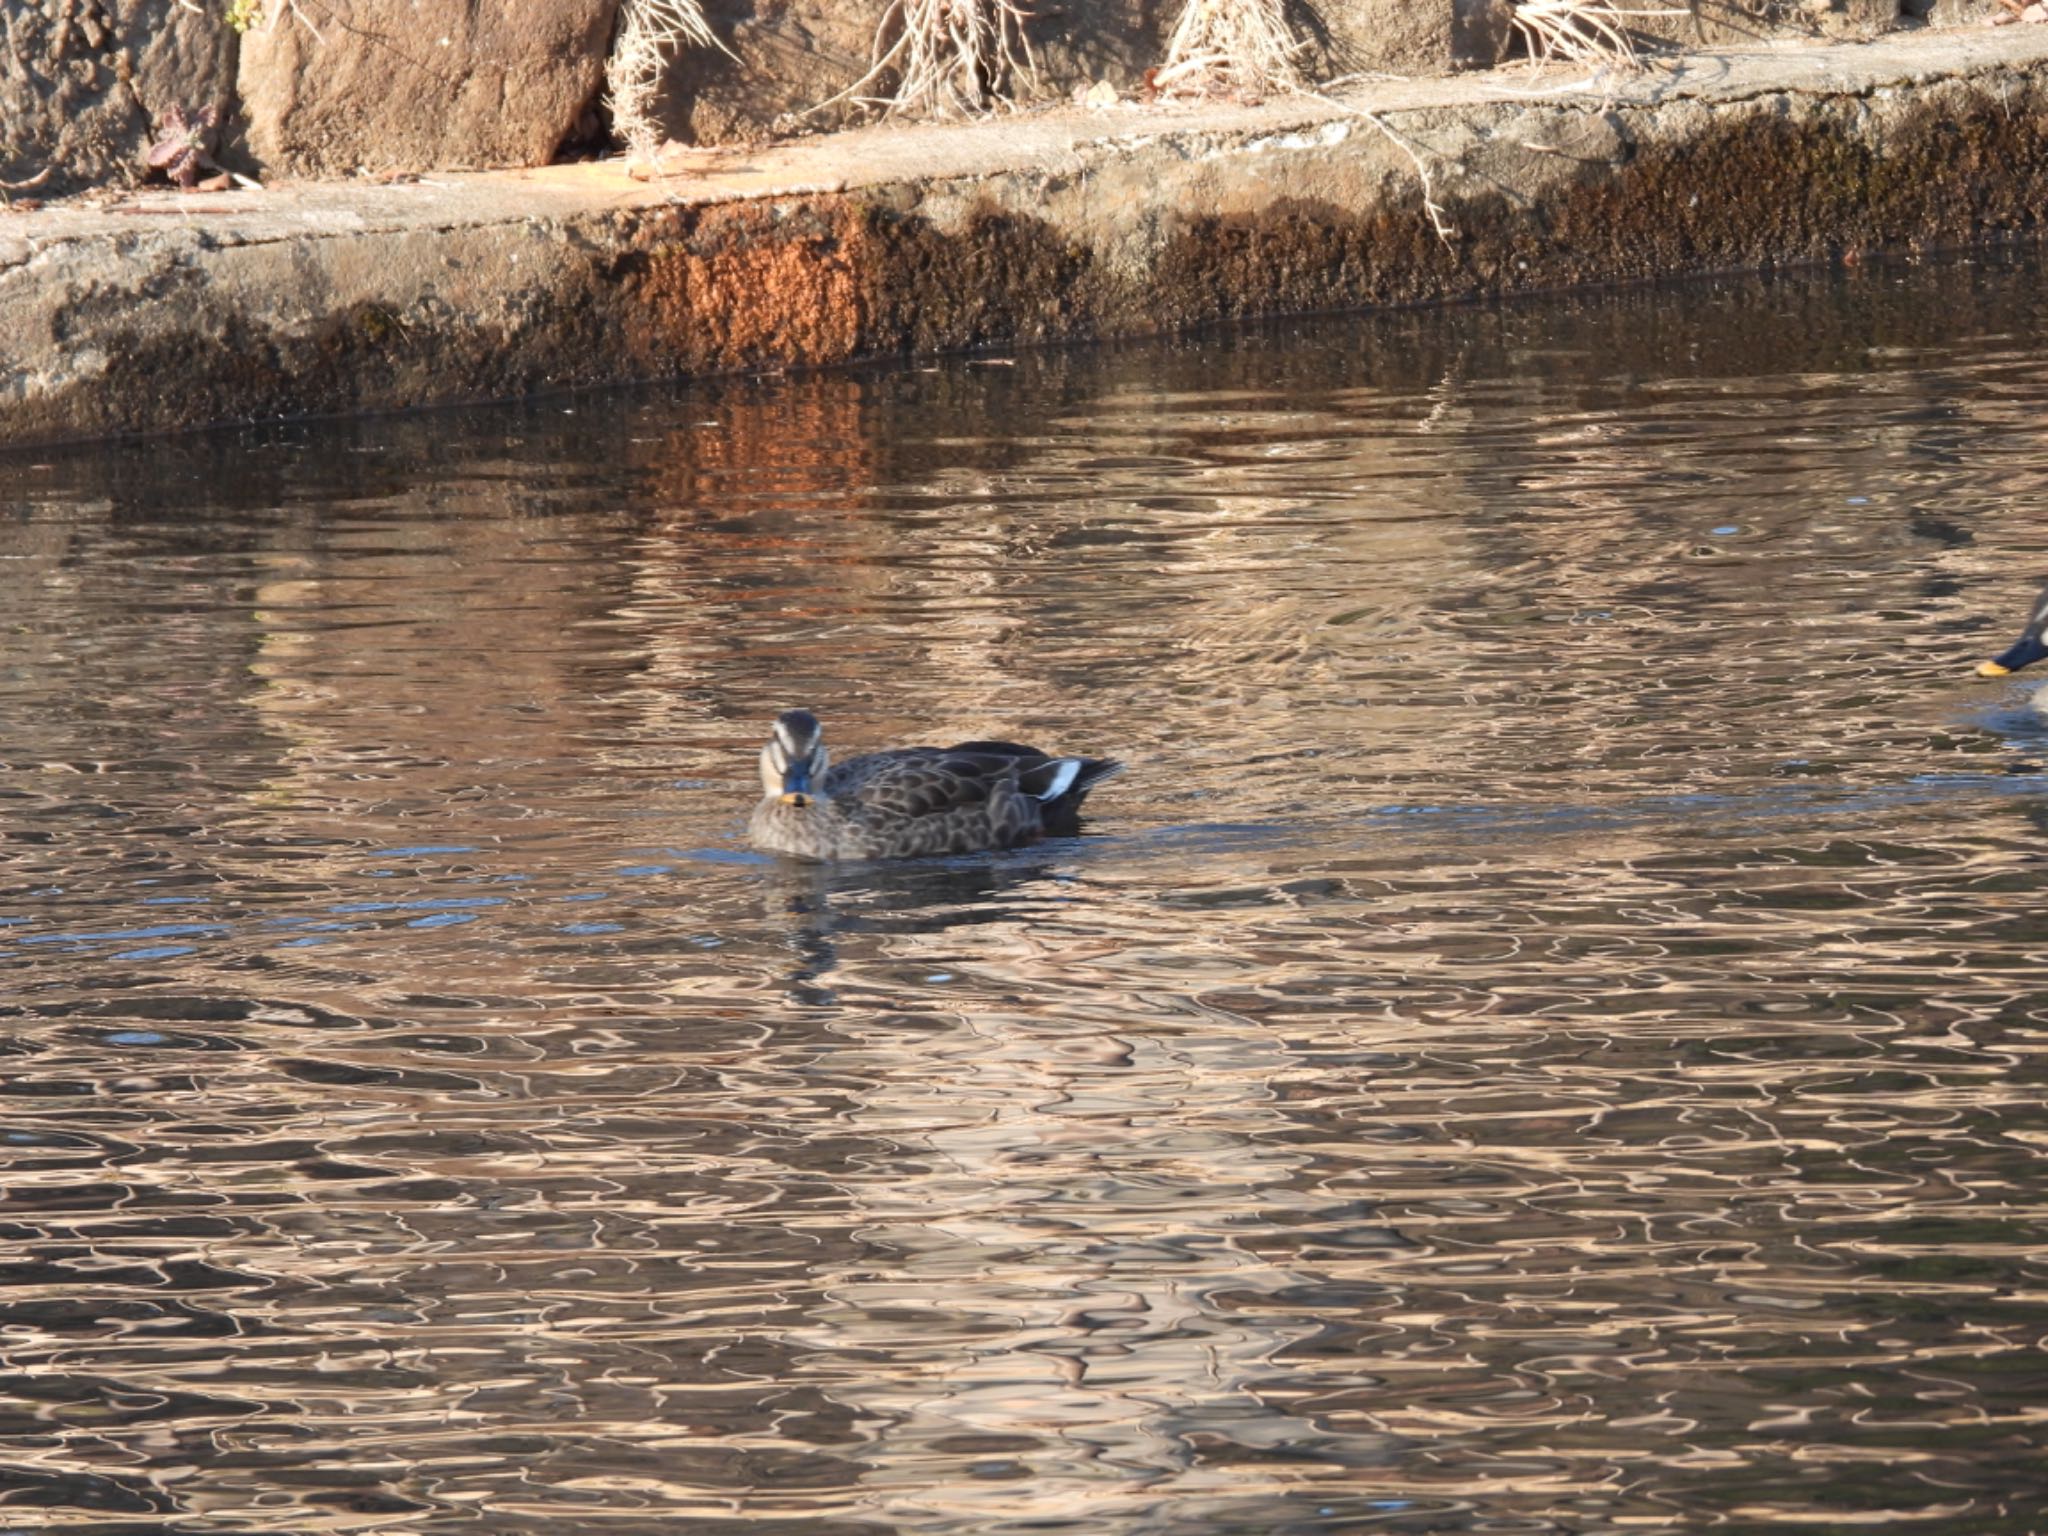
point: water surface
(1547, 1036)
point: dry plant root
(945, 57)
(1240, 47)
(1582, 31)
(649, 32)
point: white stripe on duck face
(797, 732)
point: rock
(1397, 37)
(83, 81)
(789, 57)
(1482, 32)
(1951, 13)
(419, 84)
(1859, 19)
(1733, 23)
(1957, 13)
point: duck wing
(914, 782)
(1060, 784)
(910, 783)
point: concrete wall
(1059, 226)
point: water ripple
(1548, 1036)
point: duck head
(793, 762)
(2028, 649)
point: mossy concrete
(175, 310)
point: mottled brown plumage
(913, 801)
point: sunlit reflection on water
(1547, 1037)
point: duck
(2026, 650)
(911, 802)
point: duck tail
(1061, 783)
(1093, 771)
(1066, 778)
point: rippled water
(1548, 1036)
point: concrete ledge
(172, 310)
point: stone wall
(788, 56)
(83, 83)
(334, 87)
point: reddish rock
(419, 84)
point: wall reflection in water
(1546, 1036)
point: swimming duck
(2026, 650)
(914, 800)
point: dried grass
(1581, 31)
(944, 56)
(1241, 46)
(650, 31)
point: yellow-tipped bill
(2032, 645)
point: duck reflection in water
(828, 902)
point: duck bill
(2028, 651)
(796, 786)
